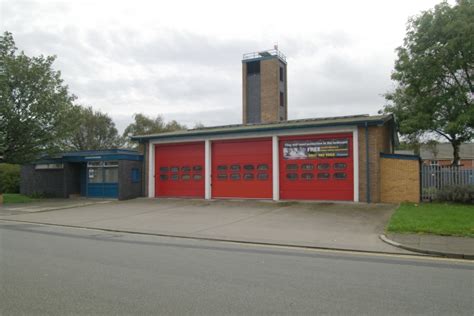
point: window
(307, 166)
(262, 176)
(307, 176)
(292, 166)
(262, 167)
(221, 176)
(340, 175)
(197, 168)
(186, 177)
(174, 169)
(434, 163)
(249, 167)
(222, 167)
(248, 176)
(174, 177)
(135, 175)
(323, 176)
(282, 99)
(49, 166)
(163, 177)
(292, 176)
(323, 166)
(197, 177)
(186, 169)
(235, 167)
(281, 74)
(235, 176)
(253, 67)
(340, 166)
(164, 169)
(96, 175)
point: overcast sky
(182, 59)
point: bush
(9, 178)
(456, 193)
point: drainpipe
(367, 169)
(144, 166)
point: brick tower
(264, 85)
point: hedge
(9, 178)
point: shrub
(9, 178)
(456, 193)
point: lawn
(434, 218)
(15, 198)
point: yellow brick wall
(400, 180)
(269, 90)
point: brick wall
(127, 188)
(48, 182)
(400, 180)
(379, 142)
(270, 94)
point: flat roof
(353, 120)
(91, 155)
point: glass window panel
(111, 175)
(235, 176)
(323, 175)
(164, 169)
(110, 163)
(95, 163)
(292, 176)
(262, 167)
(222, 167)
(174, 169)
(163, 177)
(307, 166)
(185, 169)
(262, 176)
(323, 166)
(292, 166)
(340, 165)
(340, 175)
(248, 176)
(95, 175)
(249, 167)
(174, 177)
(222, 176)
(235, 167)
(307, 176)
(185, 177)
(197, 177)
(197, 168)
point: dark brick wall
(72, 178)
(127, 188)
(46, 182)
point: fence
(434, 178)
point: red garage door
(179, 170)
(317, 167)
(242, 169)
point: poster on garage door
(321, 148)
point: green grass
(434, 218)
(16, 198)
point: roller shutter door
(242, 169)
(317, 167)
(179, 170)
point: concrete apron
(348, 226)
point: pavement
(345, 226)
(446, 246)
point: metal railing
(435, 178)
(265, 53)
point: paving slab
(352, 226)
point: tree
(434, 72)
(144, 125)
(35, 104)
(93, 130)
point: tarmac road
(56, 270)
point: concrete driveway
(332, 225)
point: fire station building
(269, 156)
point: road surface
(57, 271)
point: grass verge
(9, 198)
(434, 218)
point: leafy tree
(93, 130)
(145, 125)
(434, 72)
(35, 104)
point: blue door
(102, 179)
